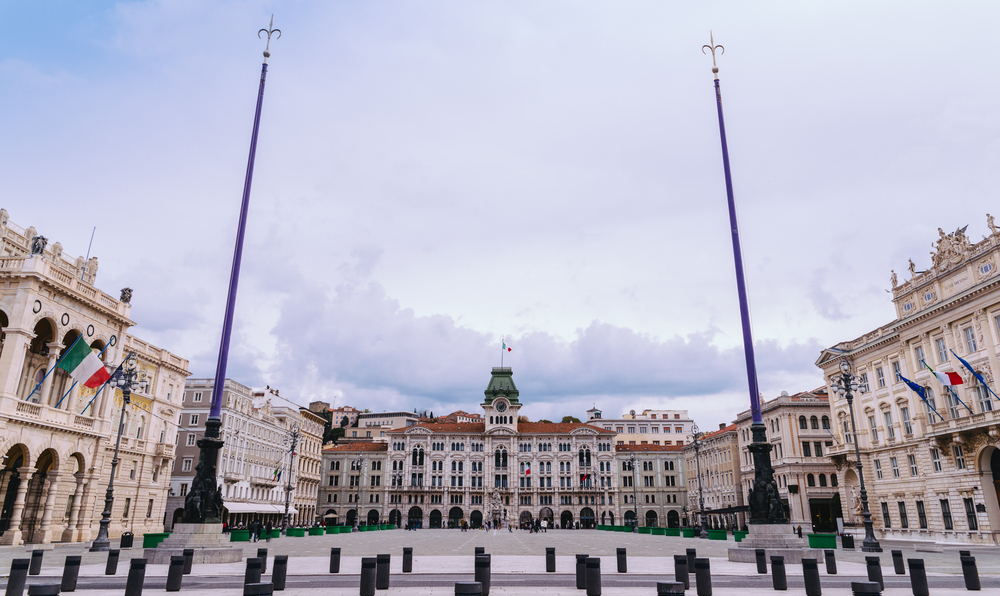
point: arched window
(826, 422)
(810, 480)
(814, 422)
(822, 479)
(491, 419)
(142, 427)
(125, 419)
(802, 423)
(833, 480)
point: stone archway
(566, 520)
(455, 515)
(651, 518)
(476, 519)
(11, 480)
(415, 517)
(396, 518)
(435, 518)
(989, 473)
(673, 519)
(587, 518)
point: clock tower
(501, 407)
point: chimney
(722, 425)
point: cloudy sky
(433, 175)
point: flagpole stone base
(209, 543)
(776, 540)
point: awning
(248, 507)
(330, 515)
(281, 509)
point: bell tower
(501, 406)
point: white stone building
(651, 427)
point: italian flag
(947, 378)
(504, 343)
(527, 470)
(83, 365)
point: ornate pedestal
(209, 543)
(777, 540)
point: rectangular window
(904, 414)
(848, 437)
(128, 505)
(131, 473)
(863, 386)
(942, 351)
(186, 465)
(970, 515)
(904, 522)
(874, 427)
(818, 448)
(896, 372)
(936, 459)
(197, 396)
(890, 432)
(194, 420)
(191, 440)
(913, 464)
(959, 457)
(885, 516)
(919, 353)
(895, 467)
(149, 509)
(946, 515)
(878, 469)
(806, 449)
(880, 377)
(184, 489)
(970, 340)
(921, 515)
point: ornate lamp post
(635, 492)
(845, 385)
(293, 438)
(128, 379)
(701, 495)
(360, 465)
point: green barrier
(659, 531)
(275, 532)
(627, 529)
(239, 535)
(672, 531)
(296, 532)
(330, 529)
(391, 527)
(718, 535)
(822, 541)
(644, 530)
(153, 539)
(687, 532)
(739, 535)
(316, 531)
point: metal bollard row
(136, 576)
(367, 576)
(918, 577)
(382, 571)
(622, 561)
(279, 572)
(407, 559)
(483, 569)
(703, 576)
(112, 566)
(335, 559)
(681, 571)
(550, 559)
(810, 573)
(831, 562)
(71, 571)
(971, 573)
(36, 562)
(175, 573)
(593, 576)
(897, 562)
(581, 572)
(778, 578)
(262, 555)
(760, 556)
(252, 575)
(188, 556)
(18, 576)
(875, 571)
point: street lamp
(128, 379)
(635, 491)
(360, 465)
(845, 385)
(293, 438)
(701, 495)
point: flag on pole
(947, 378)
(503, 342)
(83, 365)
(527, 470)
(978, 376)
(920, 391)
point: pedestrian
(268, 528)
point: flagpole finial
(712, 47)
(270, 29)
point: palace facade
(59, 437)
(931, 469)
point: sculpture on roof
(912, 268)
(894, 280)
(992, 226)
(950, 249)
(38, 245)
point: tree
(345, 422)
(568, 419)
(523, 419)
(543, 421)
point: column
(13, 534)
(74, 512)
(15, 349)
(44, 394)
(44, 531)
(69, 404)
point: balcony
(268, 481)
(165, 450)
(232, 477)
(963, 423)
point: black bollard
(43, 590)
(866, 589)
(480, 550)
(262, 555)
(681, 571)
(258, 589)
(971, 573)
(691, 554)
(279, 572)
(594, 575)
(964, 553)
(468, 589)
(670, 588)
(918, 577)
(703, 577)
(188, 555)
(407, 559)
(550, 559)
(778, 578)
(761, 556)
(810, 573)
(252, 575)
(18, 576)
(382, 571)
(175, 573)
(622, 561)
(367, 576)
(875, 571)
(847, 542)
(36, 562)
(483, 567)
(335, 559)
(112, 567)
(136, 575)
(897, 562)
(581, 572)
(831, 562)
(71, 571)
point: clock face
(501, 406)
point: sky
(431, 176)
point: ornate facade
(932, 469)
(59, 437)
(718, 460)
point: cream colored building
(720, 472)
(800, 429)
(928, 478)
(651, 427)
(652, 484)
(59, 438)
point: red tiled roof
(557, 427)
(648, 447)
(366, 446)
(523, 427)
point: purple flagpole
(204, 501)
(765, 504)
